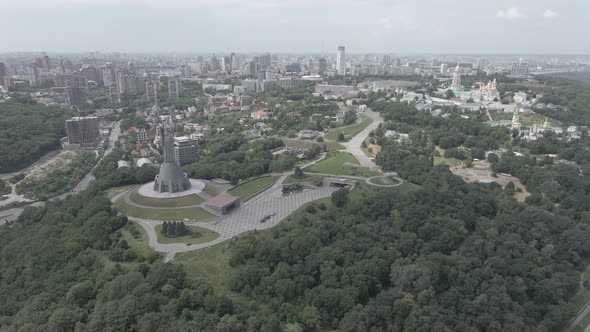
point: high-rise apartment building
(115, 95)
(83, 130)
(46, 64)
(109, 75)
(185, 151)
(341, 61)
(3, 72)
(520, 68)
(482, 64)
(174, 88)
(320, 66)
(151, 90)
(264, 61)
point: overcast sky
(384, 26)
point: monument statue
(171, 178)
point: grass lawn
(165, 202)
(349, 130)
(305, 178)
(112, 192)
(209, 189)
(193, 213)
(531, 119)
(249, 188)
(334, 164)
(446, 161)
(300, 144)
(138, 242)
(198, 235)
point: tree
(320, 139)
(299, 172)
(450, 94)
(340, 197)
(341, 137)
(493, 158)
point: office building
(519, 68)
(185, 151)
(341, 61)
(174, 88)
(83, 130)
(443, 68)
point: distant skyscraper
(108, 74)
(386, 60)
(264, 61)
(520, 68)
(235, 62)
(115, 95)
(320, 66)
(151, 90)
(482, 64)
(443, 68)
(185, 71)
(46, 64)
(174, 87)
(3, 72)
(215, 64)
(83, 130)
(34, 81)
(341, 61)
(456, 83)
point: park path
(246, 218)
(354, 145)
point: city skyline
(205, 26)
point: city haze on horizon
(207, 26)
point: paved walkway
(354, 145)
(246, 218)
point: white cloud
(512, 13)
(549, 14)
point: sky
(297, 26)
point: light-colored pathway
(354, 145)
(246, 218)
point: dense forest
(449, 257)
(232, 158)
(28, 131)
(573, 96)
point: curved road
(354, 145)
(12, 214)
